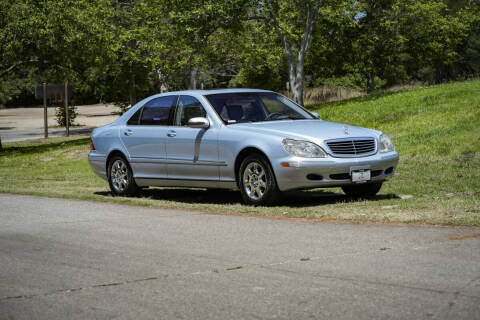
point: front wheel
(362, 190)
(120, 177)
(256, 181)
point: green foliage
(351, 80)
(4, 95)
(260, 60)
(395, 41)
(61, 115)
(121, 51)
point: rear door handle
(171, 133)
(128, 132)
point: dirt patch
(464, 236)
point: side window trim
(140, 115)
(138, 119)
(173, 122)
(178, 110)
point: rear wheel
(256, 181)
(120, 177)
(362, 190)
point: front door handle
(171, 133)
(128, 132)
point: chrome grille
(352, 147)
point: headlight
(386, 144)
(303, 149)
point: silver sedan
(255, 141)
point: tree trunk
(162, 82)
(370, 83)
(296, 82)
(298, 92)
(131, 85)
(295, 71)
(193, 78)
(131, 88)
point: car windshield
(255, 106)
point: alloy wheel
(255, 180)
(119, 176)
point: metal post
(45, 115)
(66, 108)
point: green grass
(436, 130)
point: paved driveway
(82, 260)
(18, 124)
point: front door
(192, 153)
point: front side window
(188, 108)
(255, 106)
(159, 111)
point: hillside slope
(436, 131)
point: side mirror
(199, 122)
(316, 115)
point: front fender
(232, 143)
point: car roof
(215, 91)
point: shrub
(60, 113)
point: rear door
(144, 137)
(192, 153)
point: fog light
(313, 176)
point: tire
(257, 182)
(362, 190)
(120, 177)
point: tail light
(92, 146)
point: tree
(57, 40)
(192, 24)
(466, 63)
(258, 59)
(293, 22)
(410, 36)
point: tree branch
(246, 18)
(15, 65)
(312, 17)
(288, 50)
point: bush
(60, 113)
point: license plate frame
(361, 176)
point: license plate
(360, 176)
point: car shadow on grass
(227, 197)
(43, 147)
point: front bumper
(305, 173)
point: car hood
(315, 130)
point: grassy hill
(436, 131)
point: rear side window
(159, 111)
(133, 121)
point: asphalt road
(66, 259)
